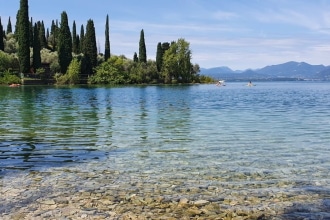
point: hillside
(286, 71)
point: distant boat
(221, 83)
(250, 84)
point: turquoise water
(273, 136)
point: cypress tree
(9, 27)
(82, 37)
(2, 44)
(64, 44)
(23, 37)
(78, 44)
(42, 35)
(53, 33)
(47, 35)
(74, 38)
(159, 57)
(16, 25)
(36, 62)
(90, 49)
(135, 58)
(31, 32)
(142, 48)
(107, 40)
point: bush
(72, 74)
(9, 78)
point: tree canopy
(80, 52)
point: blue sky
(240, 34)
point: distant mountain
(324, 74)
(290, 70)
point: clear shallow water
(274, 136)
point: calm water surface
(248, 138)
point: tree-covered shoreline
(72, 58)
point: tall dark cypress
(36, 61)
(135, 58)
(53, 33)
(42, 35)
(82, 37)
(23, 37)
(159, 57)
(74, 38)
(16, 25)
(2, 44)
(90, 49)
(107, 40)
(9, 27)
(47, 35)
(142, 48)
(64, 44)
(31, 32)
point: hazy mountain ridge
(290, 70)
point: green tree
(90, 49)
(142, 48)
(23, 37)
(74, 38)
(31, 32)
(11, 44)
(107, 40)
(2, 44)
(36, 61)
(17, 25)
(135, 57)
(9, 27)
(82, 37)
(42, 35)
(111, 72)
(52, 40)
(159, 57)
(177, 65)
(64, 44)
(72, 74)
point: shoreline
(74, 194)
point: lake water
(270, 140)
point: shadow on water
(29, 156)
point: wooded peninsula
(59, 55)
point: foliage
(72, 74)
(111, 72)
(82, 38)
(135, 57)
(9, 27)
(90, 49)
(53, 37)
(177, 65)
(36, 63)
(11, 45)
(42, 35)
(205, 79)
(8, 78)
(159, 57)
(107, 40)
(23, 36)
(74, 38)
(143, 73)
(2, 44)
(64, 44)
(8, 61)
(142, 48)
